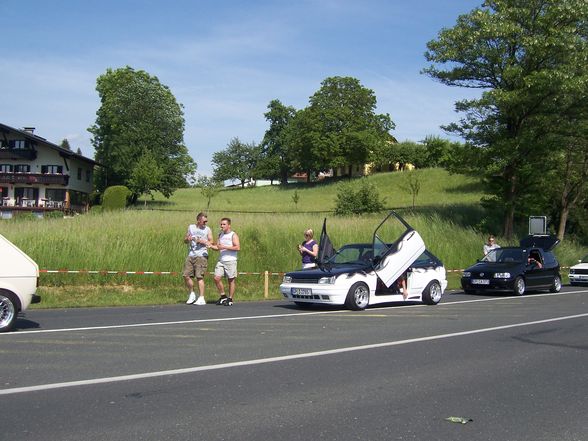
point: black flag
(326, 249)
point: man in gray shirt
(199, 238)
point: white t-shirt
(196, 249)
(226, 240)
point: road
(515, 366)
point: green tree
(412, 185)
(275, 161)
(145, 176)
(357, 197)
(296, 198)
(209, 187)
(528, 57)
(238, 161)
(338, 128)
(65, 144)
(138, 114)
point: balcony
(18, 154)
(33, 178)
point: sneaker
(229, 302)
(200, 301)
(191, 299)
(222, 301)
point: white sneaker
(201, 301)
(191, 299)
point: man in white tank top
(228, 244)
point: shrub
(357, 197)
(115, 197)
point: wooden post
(266, 284)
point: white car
(19, 275)
(579, 272)
(363, 274)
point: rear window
(549, 258)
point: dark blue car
(532, 266)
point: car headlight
(327, 280)
(287, 279)
(502, 275)
(467, 274)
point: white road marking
(294, 314)
(43, 387)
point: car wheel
(432, 293)
(358, 296)
(556, 286)
(519, 286)
(8, 313)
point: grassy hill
(437, 188)
(269, 225)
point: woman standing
(308, 250)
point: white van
(19, 276)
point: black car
(518, 269)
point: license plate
(301, 291)
(480, 282)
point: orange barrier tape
(141, 273)
(176, 273)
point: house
(38, 176)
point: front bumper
(578, 278)
(328, 294)
(493, 285)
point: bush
(357, 197)
(115, 197)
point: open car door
(396, 245)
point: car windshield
(504, 255)
(352, 254)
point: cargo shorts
(195, 266)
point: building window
(52, 169)
(5, 168)
(19, 144)
(55, 194)
(88, 175)
(22, 168)
(79, 173)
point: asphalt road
(515, 366)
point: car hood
(580, 266)
(327, 271)
(494, 267)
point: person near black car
(490, 245)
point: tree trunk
(510, 198)
(563, 220)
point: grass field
(152, 240)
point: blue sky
(223, 60)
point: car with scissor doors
(531, 266)
(359, 275)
